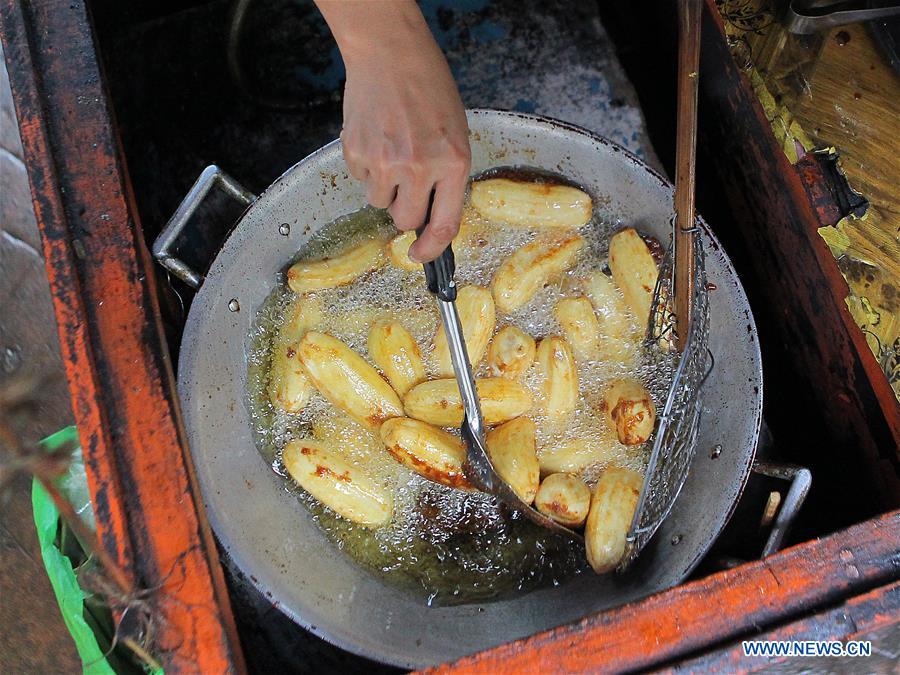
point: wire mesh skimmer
(676, 434)
(679, 315)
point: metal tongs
(478, 467)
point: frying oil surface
(451, 546)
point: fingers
(411, 203)
(401, 179)
(355, 160)
(445, 217)
(381, 189)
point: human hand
(405, 130)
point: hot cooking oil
(450, 546)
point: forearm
(376, 29)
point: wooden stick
(685, 163)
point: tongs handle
(439, 272)
(439, 278)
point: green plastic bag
(84, 621)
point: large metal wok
(269, 533)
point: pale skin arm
(405, 130)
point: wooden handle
(685, 163)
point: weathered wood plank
(839, 88)
(865, 617)
(719, 608)
(805, 326)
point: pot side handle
(165, 242)
(800, 479)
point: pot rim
(331, 147)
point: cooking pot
(269, 533)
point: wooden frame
(811, 331)
(866, 616)
(148, 509)
(726, 606)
